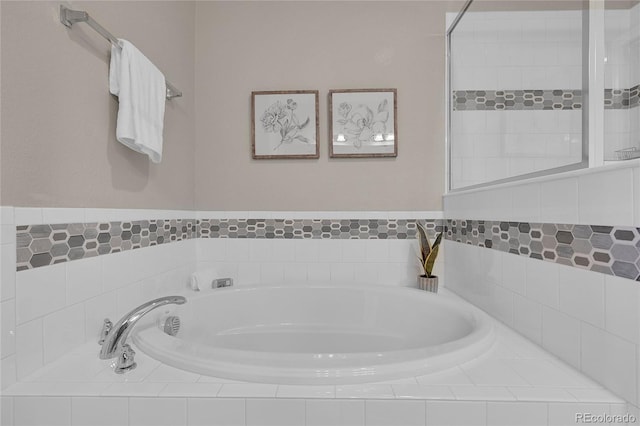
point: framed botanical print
(284, 124)
(363, 123)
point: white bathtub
(319, 334)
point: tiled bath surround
(589, 319)
(49, 310)
(55, 304)
(388, 258)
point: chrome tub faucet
(113, 337)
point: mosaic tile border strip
(49, 244)
(478, 100)
(622, 98)
(558, 99)
(399, 229)
(43, 245)
(612, 250)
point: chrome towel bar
(69, 17)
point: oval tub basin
(319, 334)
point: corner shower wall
(516, 81)
(587, 318)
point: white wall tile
(516, 413)
(63, 330)
(582, 294)
(211, 249)
(249, 273)
(354, 250)
(377, 251)
(561, 335)
(8, 328)
(622, 310)
(562, 414)
(216, 412)
(394, 412)
(96, 411)
(525, 202)
(636, 196)
(610, 360)
(84, 279)
(29, 347)
(295, 272)
(323, 412)
(271, 272)
(527, 318)
(28, 216)
(604, 198)
(118, 270)
(275, 412)
(261, 250)
(559, 201)
(63, 215)
(365, 273)
(329, 250)
(40, 291)
(501, 304)
(306, 250)
(318, 272)
(7, 271)
(283, 250)
(456, 413)
(6, 410)
(514, 273)
(38, 411)
(237, 250)
(157, 411)
(542, 282)
(342, 272)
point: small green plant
(428, 251)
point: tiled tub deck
(515, 383)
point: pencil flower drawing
(281, 118)
(361, 124)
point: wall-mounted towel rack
(69, 17)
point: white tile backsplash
(573, 313)
(29, 347)
(8, 328)
(283, 412)
(604, 198)
(384, 413)
(40, 291)
(157, 412)
(456, 413)
(581, 294)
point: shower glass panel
(516, 84)
(622, 77)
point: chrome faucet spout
(117, 336)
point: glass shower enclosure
(540, 87)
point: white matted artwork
(363, 123)
(284, 124)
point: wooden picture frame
(284, 124)
(363, 123)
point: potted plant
(428, 254)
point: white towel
(201, 280)
(141, 91)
